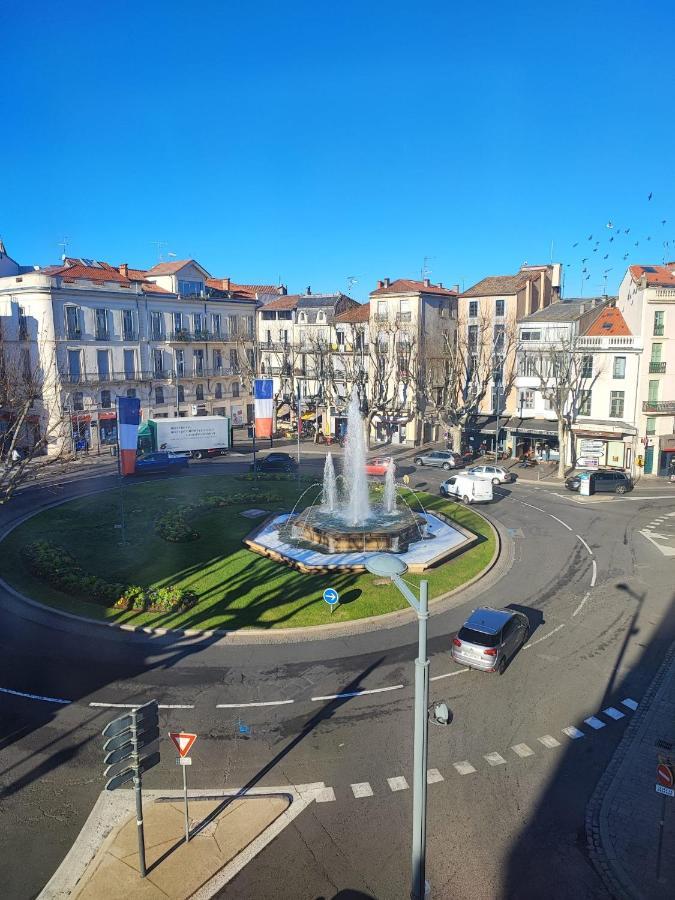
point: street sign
(668, 792)
(183, 741)
(141, 714)
(184, 760)
(664, 775)
(331, 596)
(144, 735)
(123, 762)
(129, 774)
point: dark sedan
(274, 462)
(160, 461)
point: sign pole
(660, 842)
(185, 793)
(139, 824)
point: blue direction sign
(331, 596)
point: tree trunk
(562, 435)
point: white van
(467, 488)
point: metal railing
(657, 368)
(146, 375)
(658, 406)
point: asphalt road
(503, 822)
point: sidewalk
(622, 818)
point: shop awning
(308, 416)
(532, 426)
(607, 428)
(486, 424)
(105, 416)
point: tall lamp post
(387, 565)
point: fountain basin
(330, 534)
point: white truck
(468, 488)
(203, 437)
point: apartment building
(165, 335)
(647, 303)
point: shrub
(173, 526)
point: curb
(598, 838)
(259, 636)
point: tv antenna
(425, 271)
(351, 281)
(159, 245)
(63, 243)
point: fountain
(329, 496)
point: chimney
(582, 308)
(387, 282)
(455, 288)
(427, 283)
(123, 269)
(226, 284)
(380, 285)
(309, 289)
(440, 284)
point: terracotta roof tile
(288, 301)
(501, 284)
(169, 268)
(610, 321)
(357, 314)
(407, 286)
(655, 275)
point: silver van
(489, 638)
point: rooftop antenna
(351, 281)
(63, 243)
(425, 271)
(159, 245)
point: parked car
(378, 466)
(445, 459)
(468, 488)
(274, 462)
(495, 474)
(602, 481)
(490, 638)
(161, 461)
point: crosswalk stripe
(631, 704)
(494, 759)
(594, 723)
(325, 795)
(573, 732)
(362, 789)
(548, 741)
(434, 776)
(613, 713)
(398, 784)
(464, 767)
(522, 750)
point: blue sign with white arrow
(331, 596)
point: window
(340, 338)
(250, 359)
(106, 401)
(268, 315)
(217, 360)
(103, 363)
(180, 362)
(199, 362)
(616, 404)
(268, 337)
(129, 365)
(199, 392)
(530, 335)
(215, 324)
(656, 353)
(382, 310)
(586, 366)
(218, 393)
(25, 364)
(527, 366)
(405, 311)
(102, 332)
(156, 326)
(159, 396)
(659, 316)
(128, 331)
(190, 288)
(473, 337)
(526, 400)
(23, 324)
(74, 365)
(499, 338)
(158, 362)
(131, 393)
(473, 309)
(619, 367)
(180, 393)
(283, 336)
(232, 326)
(73, 329)
(248, 326)
(234, 360)
(653, 394)
(198, 322)
(499, 307)
(78, 401)
(651, 424)
(585, 403)
(235, 388)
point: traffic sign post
(332, 598)
(131, 748)
(183, 741)
(664, 786)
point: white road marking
(564, 524)
(579, 538)
(258, 703)
(136, 705)
(522, 750)
(394, 687)
(448, 674)
(538, 508)
(667, 551)
(539, 640)
(362, 789)
(434, 776)
(573, 732)
(594, 723)
(631, 704)
(548, 741)
(325, 795)
(581, 605)
(595, 573)
(35, 696)
(398, 784)
(494, 759)
(613, 713)
(464, 768)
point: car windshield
(478, 637)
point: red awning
(85, 417)
(103, 416)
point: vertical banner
(128, 418)
(264, 407)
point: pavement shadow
(534, 616)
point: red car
(378, 466)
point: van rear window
(478, 637)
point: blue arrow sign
(331, 596)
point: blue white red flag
(128, 420)
(264, 407)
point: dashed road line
(494, 759)
(581, 605)
(256, 703)
(434, 776)
(579, 538)
(564, 524)
(522, 750)
(464, 767)
(631, 704)
(362, 789)
(613, 713)
(393, 687)
(27, 696)
(595, 573)
(594, 722)
(539, 640)
(448, 674)
(573, 732)
(398, 783)
(548, 741)
(325, 795)
(136, 705)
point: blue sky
(312, 142)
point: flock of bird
(622, 245)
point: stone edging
(599, 844)
(257, 636)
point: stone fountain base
(395, 538)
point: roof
(407, 286)
(75, 268)
(488, 621)
(170, 268)
(655, 275)
(288, 301)
(502, 284)
(610, 321)
(357, 314)
(565, 310)
(252, 291)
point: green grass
(236, 588)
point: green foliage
(165, 599)
(252, 495)
(276, 476)
(173, 526)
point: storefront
(609, 445)
(533, 437)
(107, 428)
(667, 455)
(394, 430)
(81, 432)
(480, 434)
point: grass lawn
(236, 588)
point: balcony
(131, 334)
(657, 368)
(610, 342)
(381, 317)
(184, 336)
(404, 317)
(102, 335)
(659, 407)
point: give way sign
(183, 741)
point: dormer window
(191, 288)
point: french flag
(128, 420)
(264, 407)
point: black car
(274, 462)
(602, 481)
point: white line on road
(613, 713)
(594, 723)
(398, 784)
(35, 696)
(522, 750)
(448, 674)
(136, 705)
(579, 538)
(394, 687)
(494, 759)
(564, 524)
(548, 741)
(325, 795)
(595, 573)
(573, 732)
(631, 704)
(581, 605)
(464, 767)
(257, 703)
(434, 776)
(539, 640)
(362, 789)
(538, 508)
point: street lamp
(387, 565)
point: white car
(468, 489)
(495, 474)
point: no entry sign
(664, 775)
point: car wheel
(197, 454)
(446, 466)
(495, 481)
(418, 461)
(621, 488)
(466, 500)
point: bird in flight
(575, 245)
(609, 225)
(590, 237)
(663, 221)
(625, 256)
(611, 239)
(605, 256)
(637, 243)
(584, 261)
(650, 196)
(627, 230)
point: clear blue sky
(314, 141)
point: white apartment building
(165, 335)
(647, 302)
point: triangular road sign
(183, 741)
